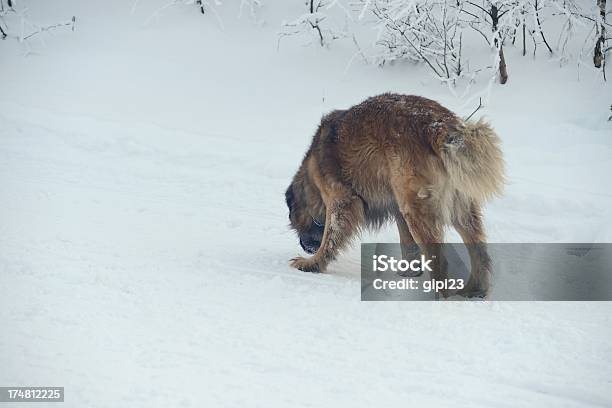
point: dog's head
(306, 208)
(308, 226)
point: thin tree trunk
(199, 3)
(540, 27)
(459, 68)
(316, 26)
(598, 55)
(503, 69)
(524, 39)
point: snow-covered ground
(143, 232)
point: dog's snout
(310, 245)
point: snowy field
(143, 232)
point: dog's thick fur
(401, 158)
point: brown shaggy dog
(402, 158)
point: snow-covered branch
(15, 23)
(316, 21)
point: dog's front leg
(343, 217)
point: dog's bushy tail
(474, 161)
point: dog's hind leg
(424, 223)
(406, 238)
(469, 226)
(344, 215)
(407, 243)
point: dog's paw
(305, 265)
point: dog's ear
(289, 198)
(331, 131)
(329, 126)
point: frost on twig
(15, 23)
(203, 7)
(252, 6)
(577, 15)
(433, 32)
(315, 21)
(421, 31)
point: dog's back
(390, 136)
